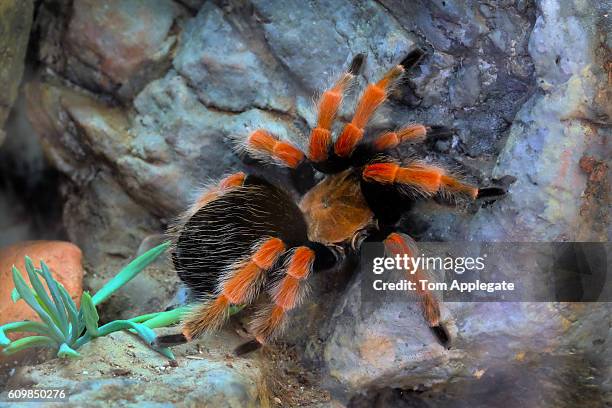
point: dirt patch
(290, 383)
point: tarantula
(245, 237)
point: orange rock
(62, 258)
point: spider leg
(240, 286)
(390, 140)
(423, 179)
(401, 244)
(286, 293)
(265, 146)
(328, 105)
(452, 185)
(373, 96)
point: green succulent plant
(66, 328)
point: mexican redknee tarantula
(245, 237)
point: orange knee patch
(290, 155)
(206, 317)
(263, 141)
(328, 108)
(384, 173)
(240, 285)
(386, 141)
(397, 244)
(286, 294)
(454, 185)
(425, 177)
(412, 133)
(268, 253)
(391, 77)
(236, 289)
(373, 96)
(348, 140)
(266, 326)
(233, 180)
(301, 263)
(391, 140)
(320, 139)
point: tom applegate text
(455, 285)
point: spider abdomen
(227, 229)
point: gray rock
(551, 133)
(193, 5)
(382, 341)
(121, 369)
(465, 87)
(92, 218)
(468, 83)
(224, 71)
(15, 23)
(316, 40)
(115, 47)
(390, 347)
(97, 207)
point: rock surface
(496, 346)
(121, 370)
(556, 144)
(117, 46)
(15, 23)
(565, 121)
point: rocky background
(126, 107)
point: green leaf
(166, 352)
(27, 342)
(129, 272)
(52, 284)
(75, 323)
(233, 309)
(167, 318)
(41, 291)
(145, 333)
(66, 352)
(90, 314)
(86, 338)
(15, 295)
(144, 317)
(26, 294)
(25, 326)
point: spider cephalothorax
(245, 238)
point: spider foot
(169, 340)
(246, 348)
(442, 335)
